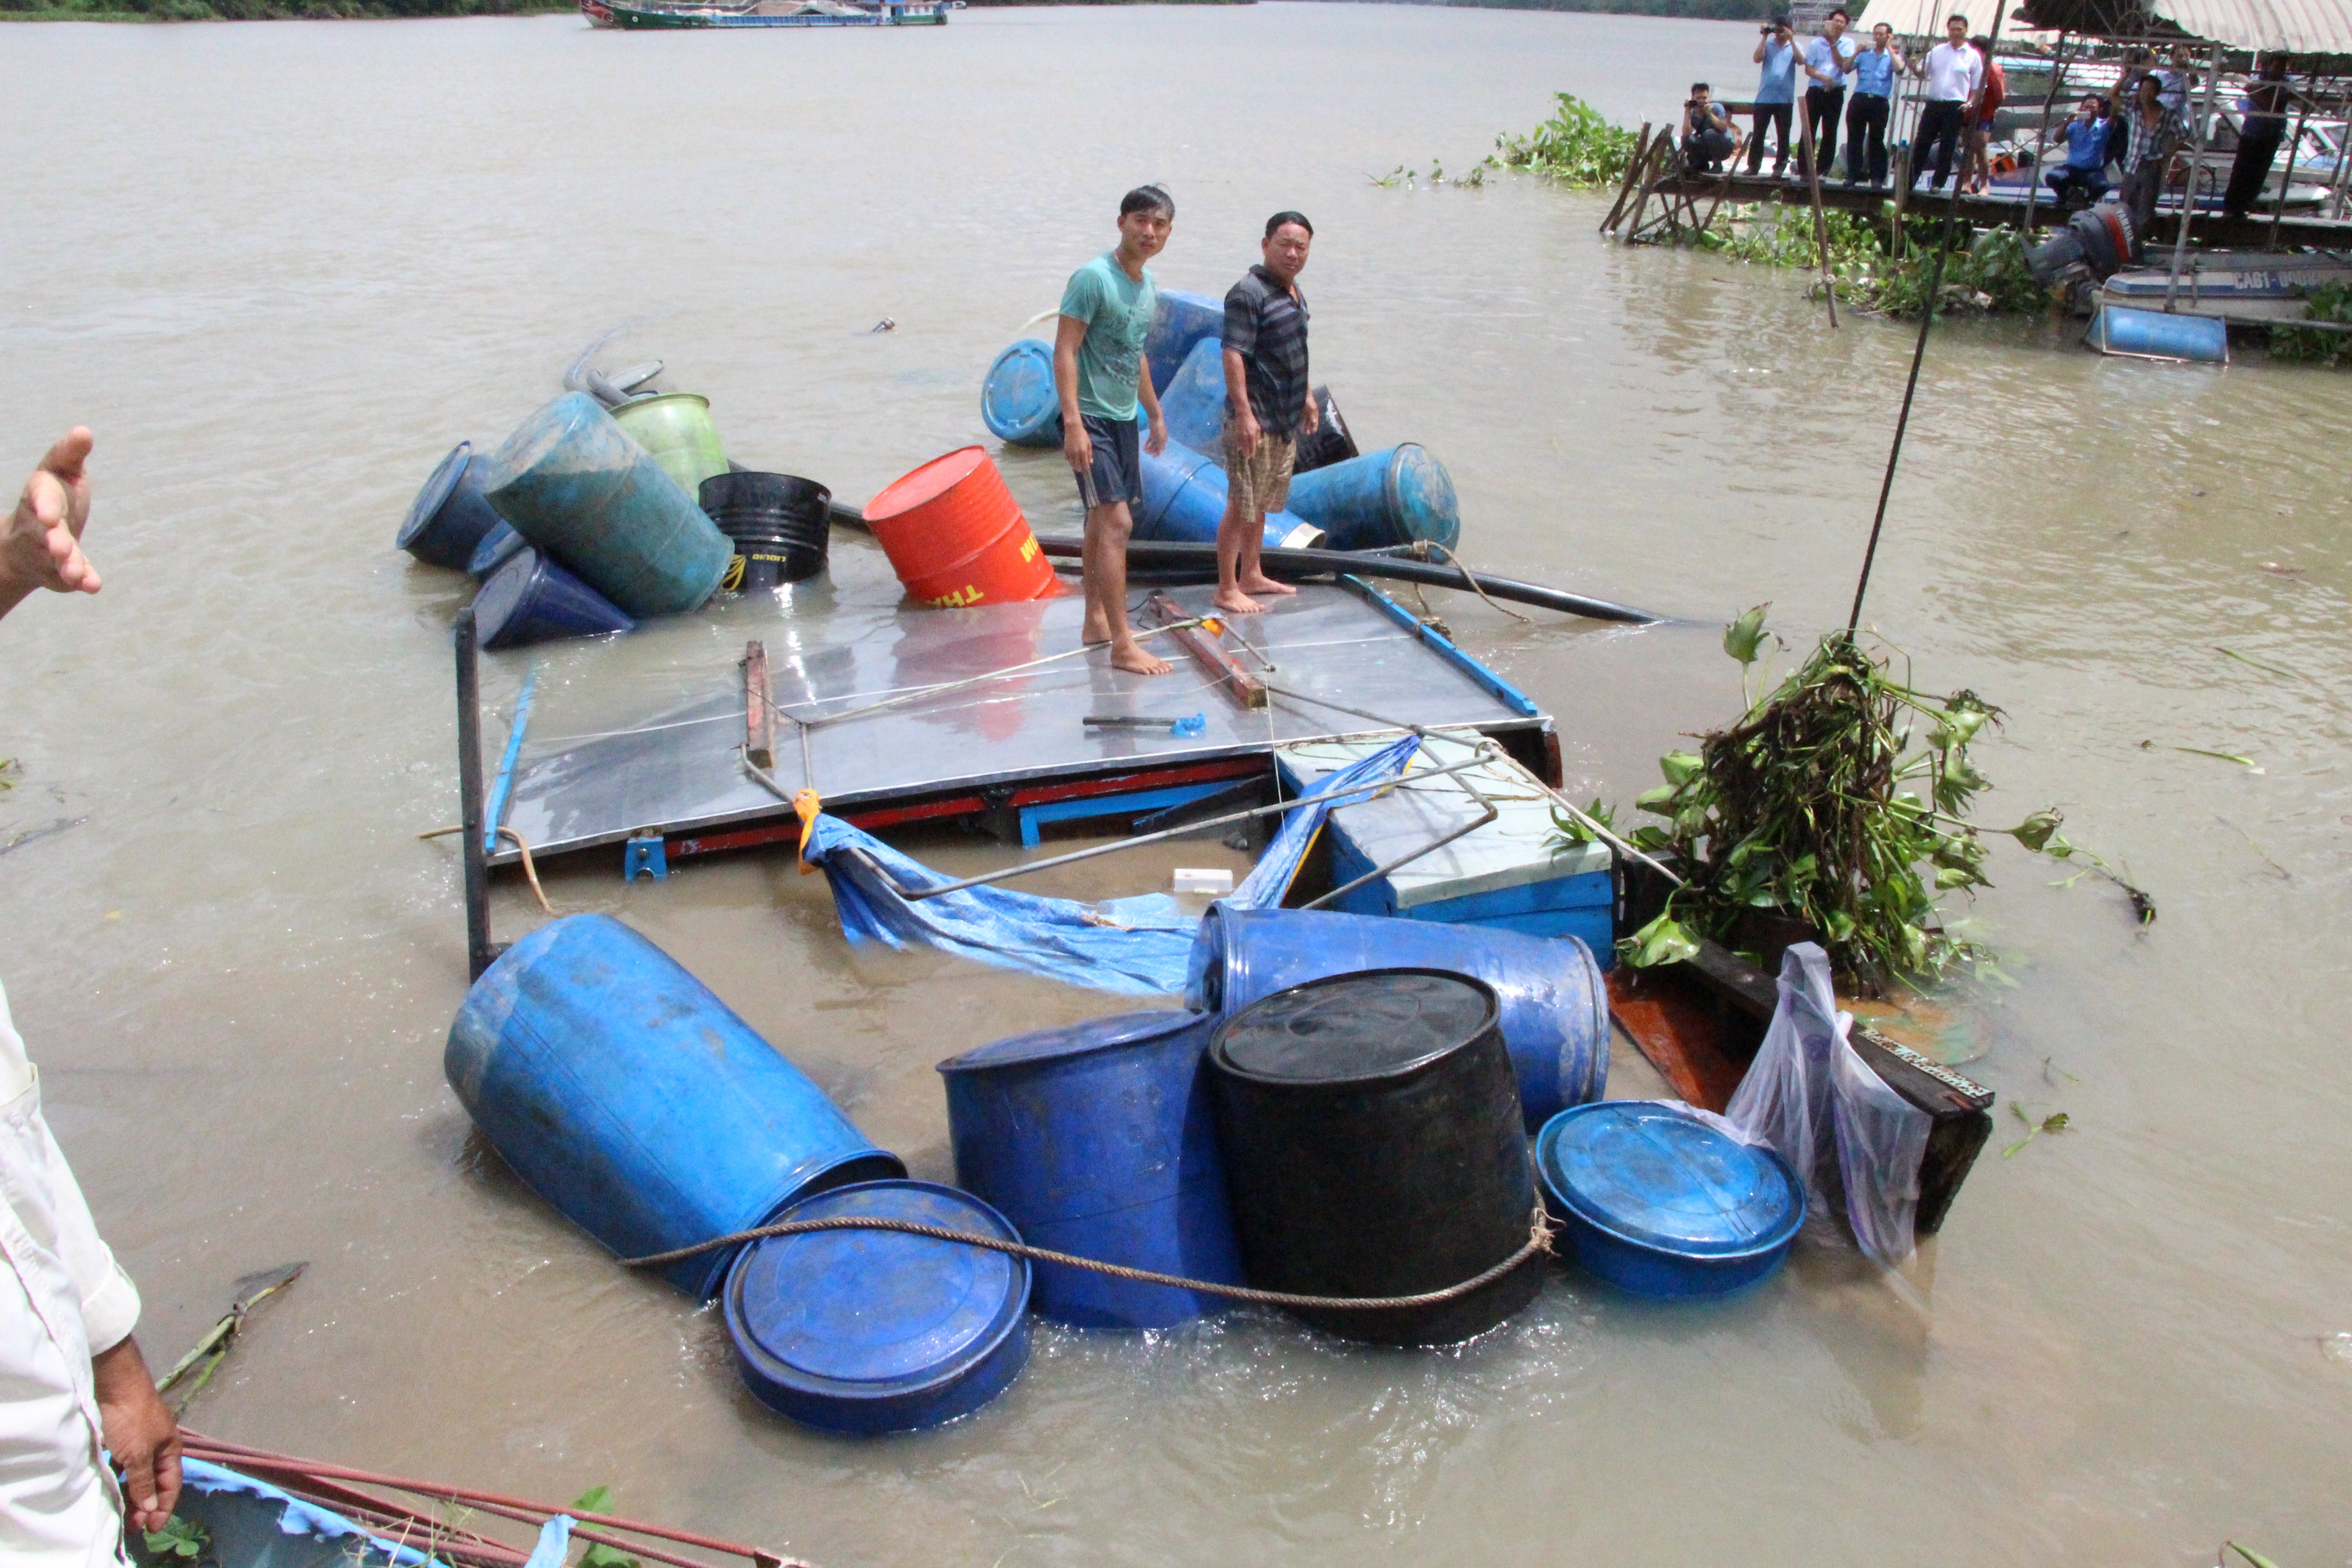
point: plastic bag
(1812, 1096)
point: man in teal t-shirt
(1100, 374)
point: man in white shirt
(1955, 74)
(73, 1387)
(1827, 59)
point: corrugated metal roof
(2292, 26)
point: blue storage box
(1515, 872)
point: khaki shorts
(1260, 483)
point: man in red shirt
(1975, 155)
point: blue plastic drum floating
(1399, 495)
(1179, 322)
(1100, 1140)
(498, 546)
(449, 515)
(1658, 1201)
(865, 1332)
(530, 599)
(1017, 400)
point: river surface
(280, 267)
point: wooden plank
(1208, 653)
(1632, 172)
(758, 712)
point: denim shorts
(1116, 474)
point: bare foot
(1130, 656)
(1262, 583)
(1096, 631)
(1232, 601)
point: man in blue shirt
(1100, 374)
(1826, 62)
(1776, 93)
(1873, 92)
(2084, 175)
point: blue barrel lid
(435, 495)
(1654, 1173)
(853, 1315)
(1074, 1039)
(1347, 1028)
(1422, 495)
(1017, 399)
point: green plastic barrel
(574, 484)
(675, 428)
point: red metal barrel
(956, 536)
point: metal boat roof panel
(644, 732)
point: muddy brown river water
(281, 267)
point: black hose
(1165, 560)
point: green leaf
(2258, 664)
(1663, 941)
(1743, 636)
(2224, 756)
(1679, 767)
(2256, 1557)
(2036, 831)
(1659, 800)
(593, 1500)
(183, 1537)
(1958, 727)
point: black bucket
(780, 524)
(1332, 442)
(1372, 1147)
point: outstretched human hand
(139, 1432)
(41, 547)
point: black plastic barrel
(780, 524)
(1331, 442)
(1372, 1147)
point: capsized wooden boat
(1699, 1023)
(771, 13)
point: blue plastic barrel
(1194, 401)
(530, 599)
(1100, 1140)
(1184, 499)
(1181, 321)
(498, 546)
(1659, 1202)
(1017, 400)
(624, 1093)
(449, 515)
(1399, 495)
(868, 1331)
(573, 483)
(1555, 1006)
(2153, 334)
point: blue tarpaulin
(1137, 946)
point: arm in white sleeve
(110, 1302)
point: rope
(529, 869)
(1539, 1240)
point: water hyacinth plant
(1840, 800)
(1577, 146)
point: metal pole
(480, 951)
(2335, 184)
(2293, 145)
(2196, 163)
(2057, 81)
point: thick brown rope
(1539, 1240)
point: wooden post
(1649, 185)
(480, 950)
(1820, 221)
(1632, 172)
(758, 712)
(2294, 143)
(1246, 688)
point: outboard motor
(2096, 243)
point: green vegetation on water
(1577, 146)
(1838, 801)
(1985, 274)
(2330, 302)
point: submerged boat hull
(2251, 285)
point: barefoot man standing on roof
(1100, 372)
(1267, 407)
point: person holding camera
(1776, 93)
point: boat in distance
(767, 14)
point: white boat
(2236, 285)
